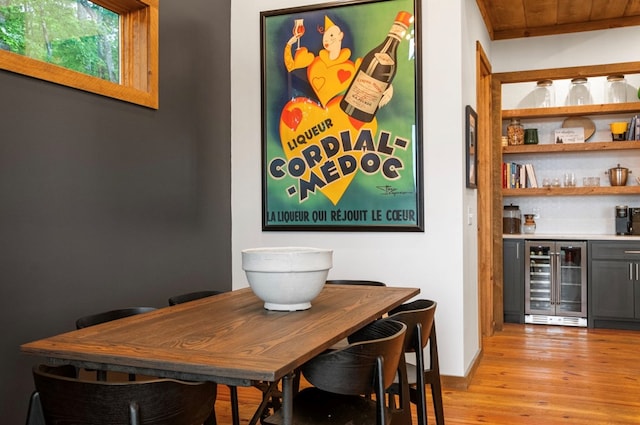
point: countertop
(574, 237)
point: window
(107, 47)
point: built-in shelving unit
(572, 111)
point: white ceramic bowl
(287, 278)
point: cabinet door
(513, 277)
(612, 289)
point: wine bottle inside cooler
(375, 74)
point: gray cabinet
(513, 278)
(614, 284)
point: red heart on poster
(343, 75)
(292, 118)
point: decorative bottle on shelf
(378, 67)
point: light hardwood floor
(534, 374)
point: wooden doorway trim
(489, 246)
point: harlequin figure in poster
(330, 72)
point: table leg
(287, 399)
(266, 395)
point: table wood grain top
(228, 338)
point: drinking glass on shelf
(546, 182)
(569, 179)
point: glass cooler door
(539, 278)
(571, 297)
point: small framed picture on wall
(471, 147)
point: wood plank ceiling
(507, 19)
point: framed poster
(471, 143)
(341, 131)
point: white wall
(442, 260)
(572, 215)
(583, 48)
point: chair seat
(315, 406)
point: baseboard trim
(461, 383)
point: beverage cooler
(556, 283)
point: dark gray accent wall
(105, 204)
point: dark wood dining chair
(192, 296)
(419, 316)
(60, 398)
(355, 282)
(108, 316)
(343, 381)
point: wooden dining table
(228, 338)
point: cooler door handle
(555, 279)
(632, 252)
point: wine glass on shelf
(298, 29)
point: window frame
(139, 58)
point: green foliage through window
(75, 34)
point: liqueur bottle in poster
(375, 74)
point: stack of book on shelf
(518, 176)
(633, 132)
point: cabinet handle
(518, 250)
(630, 271)
(632, 252)
(637, 277)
